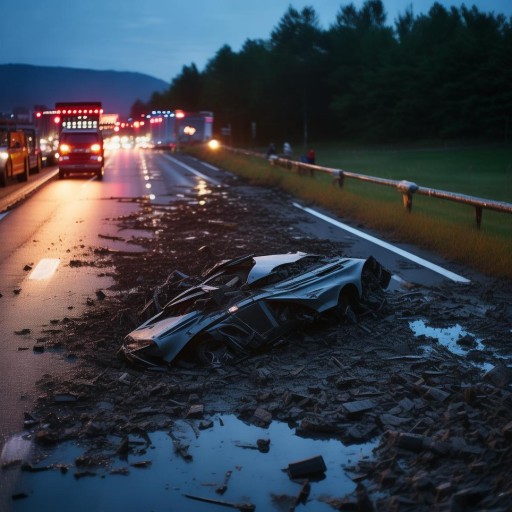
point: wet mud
(441, 419)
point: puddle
(449, 337)
(456, 339)
(230, 445)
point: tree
(138, 109)
(186, 90)
(442, 74)
(298, 49)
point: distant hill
(25, 86)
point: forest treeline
(442, 75)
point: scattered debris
(22, 332)
(313, 466)
(444, 423)
(224, 486)
(244, 507)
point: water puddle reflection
(456, 339)
(157, 478)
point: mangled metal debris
(250, 303)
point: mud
(443, 421)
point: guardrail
(406, 188)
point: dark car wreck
(250, 303)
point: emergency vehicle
(80, 139)
(170, 128)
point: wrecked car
(250, 303)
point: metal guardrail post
(407, 188)
(478, 216)
(340, 178)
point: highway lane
(46, 261)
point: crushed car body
(250, 303)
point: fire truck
(19, 150)
(80, 139)
(170, 128)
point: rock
(500, 375)
(261, 417)
(359, 406)
(195, 411)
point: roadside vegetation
(439, 225)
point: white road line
(44, 269)
(210, 166)
(385, 245)
(193, 171)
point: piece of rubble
(243, 507)
(195, 411)
(22, 332)
(205, 424)
(392, 420)
(262, 417)
(359, 406)
(500, 375)
(224, 486)
(263, 445)
(312, 466)
(141, 464)
(180, 448)
(65, 398)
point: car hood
(171, 334)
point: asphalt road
(43, 238)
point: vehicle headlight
(132, 345)
(214, 144)
(4, 155)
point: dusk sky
(159, 37)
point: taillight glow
(64, 149)
(96, 148)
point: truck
(170, 128)
(80, 138)
(20, 151)
(65, 115)
(81, 115)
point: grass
(442, 226)
(478, 171)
